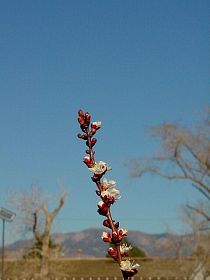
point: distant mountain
(88, 243)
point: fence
(108, 278)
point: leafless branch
(200, 212)
(186, 151)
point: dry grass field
(70, 268)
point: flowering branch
(108, 193)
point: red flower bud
(88, 161)
(82, 136)
(117, 225)
(115, 237)
(93, 141)
(108, 200)
(106, 223)
(98, 192)
(112, 253)
(102, 208)
(95, 126)
(87, 118)
(81, 121)
(81, 113)
(106, 237)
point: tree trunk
(199, 270)
(44, 238)
(44, 269)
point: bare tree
(184, 154)
(36, 218)
(200, 238)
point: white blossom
(111, 193)
(128, 265)
(96, 124)
(124, 248)
(108, 183)
(99, 167)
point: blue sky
(132, 65)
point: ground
(69, 268)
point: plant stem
(84, 121)
(98, 184)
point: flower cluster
(108, 193)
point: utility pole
(5, 215)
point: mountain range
(88, 243)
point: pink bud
(115, 237)
(88, 161)
(121, 234)
(106, 237)
(93, 141)
(108, 199)
(106, 223)
(81, 120)
(102, 208)
(117, 225)
(95, 126)
(81, 113)
(112, 253)
(98, 192)
(87, 118)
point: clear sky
(131, 64)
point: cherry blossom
(124, 249)
(110, 195)
(129, 266)
(100, 167)
(105, 183)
